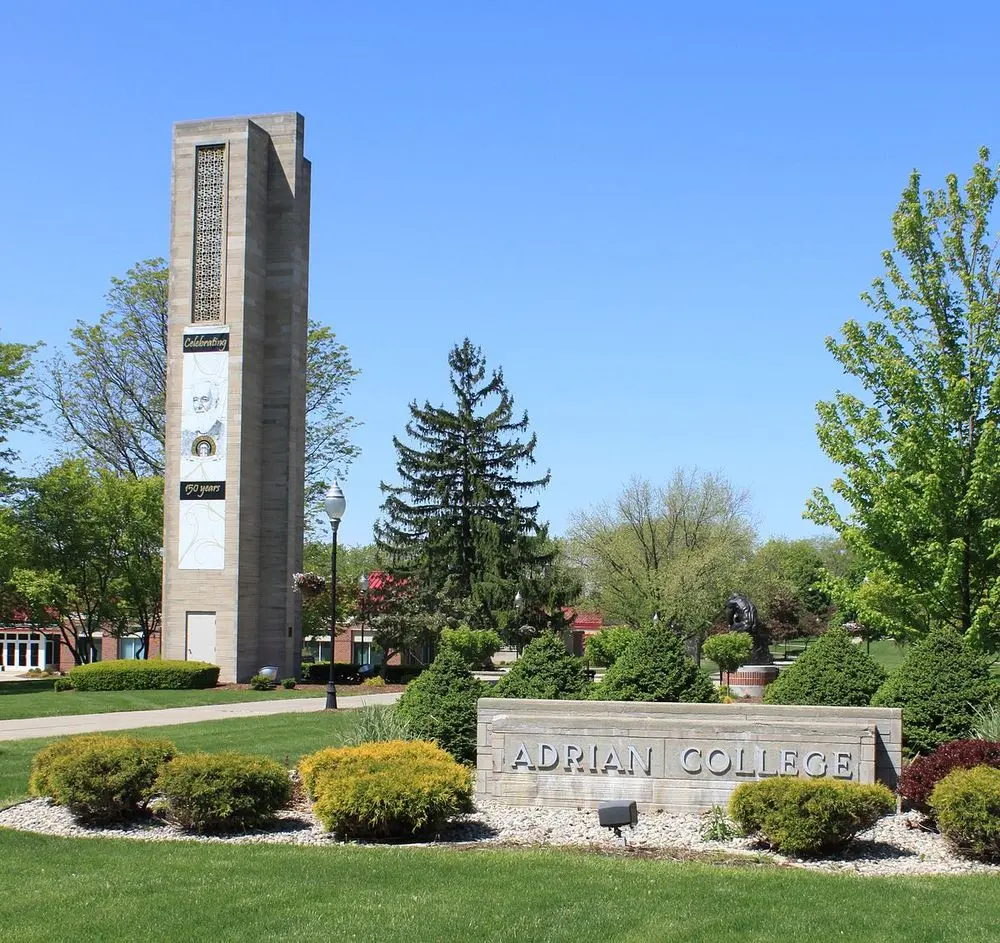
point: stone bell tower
(236, 359)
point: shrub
(212, 792)
(288, 683)
(728, 650)
(807, 817)
(440, 705)
(966, 804)
(833, 672)
(99, 778)
(475, 647)
(62, 684)
(376, 681)
(655, 668)
(388, 790)
(606, 647)
(544, 670)
(938, 685)
(261, 683)
(377, 723)
(129, 674)
(923, 773)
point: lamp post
(363, 593)
(335, 505)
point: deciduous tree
(677, 549)
(916, 432)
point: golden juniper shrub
(386, 790)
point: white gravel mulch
(897, 845)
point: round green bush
(545, 670)
(440, 705)
(100, 779)
(215, 792)
(605, 647)
(966, 804)
(655, 667)
(833, 672)
(62, 684)
(808, 817)
(728, 650)
(129, 674)
(939, 684)
(388, 790)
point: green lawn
(283, 737)
(110, 890)
(21, 699)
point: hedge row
(127, 674)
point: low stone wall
(680, 757)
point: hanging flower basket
(310, 585)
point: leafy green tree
(678, 550)
(476, 647)
(919, 444)
(109, 388)
(655, 668)
(459, 521)
(89, 559)
(728, 650)
(18, 399)
(544, 670)
(543, 596)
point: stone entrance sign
(680, 757)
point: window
(95, 649)
(365, 653)
(130, 647)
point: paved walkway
(32, 727)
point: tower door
(201, 637)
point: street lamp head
(335, 503)
(518, 601)
(363, 583)
(656, 617)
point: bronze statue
(742, 617)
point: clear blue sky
(649, 214)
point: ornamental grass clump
(545, 670)
(440, 705)
(808, 817)
(386, 791)
(833, 672)
(218, 792)
(966, 804)
(939, 685)
(655, 667)
(923, 773)
(100, 779)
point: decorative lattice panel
(209, 200)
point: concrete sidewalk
(32, 727)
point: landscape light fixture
(335, 504)
(616, 815)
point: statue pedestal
(750, 680)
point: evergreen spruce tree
(459, 520)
